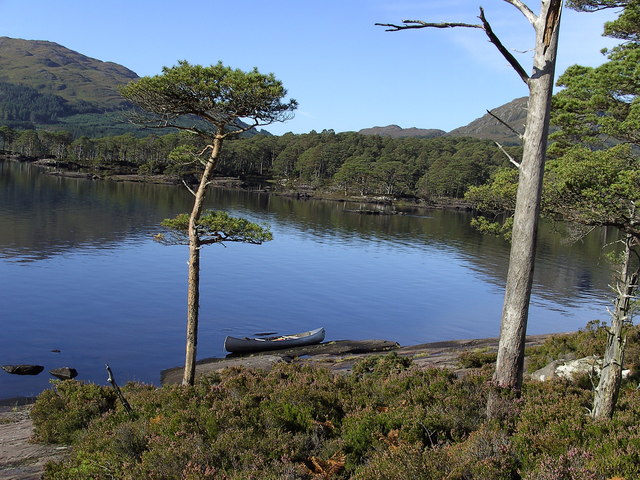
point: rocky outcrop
(570, 369)
(23, 369)
(20, 458)
(266, 360)
(64, 373)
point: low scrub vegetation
(386, 420)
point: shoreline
(339, 356)
(60, 168)
(22, 460)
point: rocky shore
(341, 355)
(22, 460)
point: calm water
(80, 273)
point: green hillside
(44, 85)
(52, 69)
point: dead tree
(606, 393)
(509, 367)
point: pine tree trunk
(509, 366)
(193, 289)
(193, 307)
(606, 394)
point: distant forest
(24, 107)
(346, 163)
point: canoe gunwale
(248, 345)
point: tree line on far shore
(348, 163)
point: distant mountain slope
(52, 69)
(513, 113)
(46, 85)
(395, 131)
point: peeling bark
(606, 393)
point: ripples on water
(81, 274)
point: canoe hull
(249, 345)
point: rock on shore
(341, 355)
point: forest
(345, 163)
(23, 107)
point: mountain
(395, 131)
(513, 114)
(46, 85)
(51, 69)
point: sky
(345, 72)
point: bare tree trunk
(606, 394)
(509, 366)
(193, 293)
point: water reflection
(49, 215)
(80, 273)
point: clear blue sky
(346, 73)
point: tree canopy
(217, 94)
(215, 227)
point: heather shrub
(381, 365)
(572, 465)
(551, 420)
(554, 433)
(406, 461)
(61, 414)
(423, 407)
(388, 420)
(486, 453)
(476, 358)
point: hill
(51, 69)
(513, 113)
(45, 85)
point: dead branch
(505, 124)
(115, 386)
(412, 24)
(526, 11)
(511, 159)
(188, 188)
(502, 49)
(409, 24)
